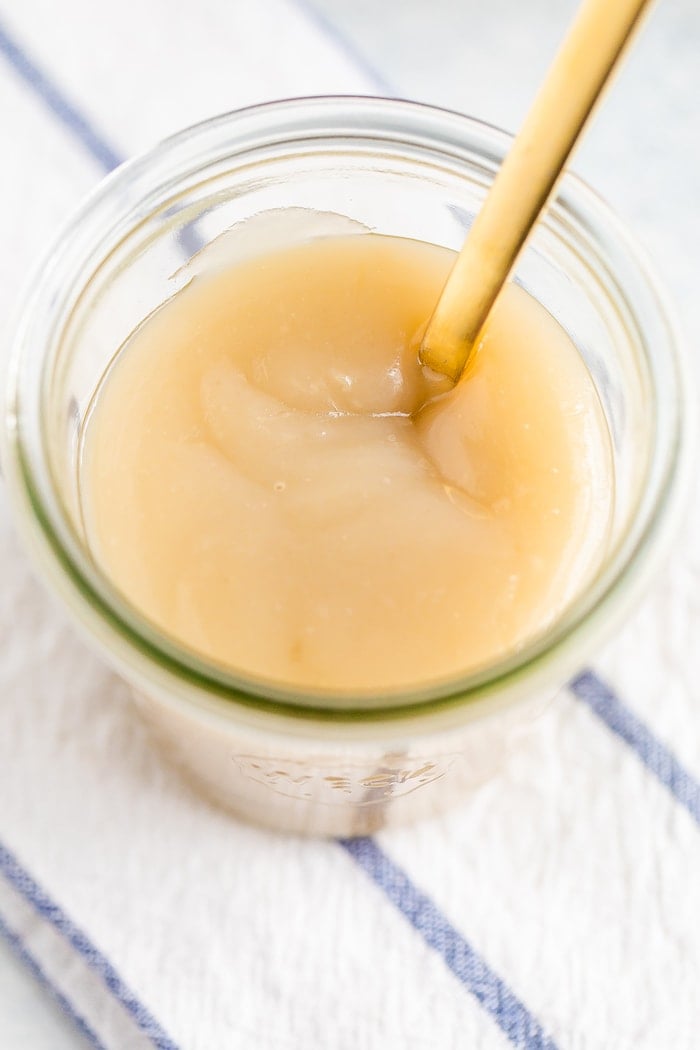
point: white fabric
(574, 874)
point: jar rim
(116, 625)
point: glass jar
(319, 763)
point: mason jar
(334, 762)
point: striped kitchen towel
(558, 907)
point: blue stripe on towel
(313, 12)
(43, 905)
(61, 108)
(511, 1015)
(658, 759)
(32, 965)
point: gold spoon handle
(527, 179)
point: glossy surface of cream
(263, 478)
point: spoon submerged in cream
(527, 179)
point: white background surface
(486, 59)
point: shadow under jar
(331, 762)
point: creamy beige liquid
(262, 479)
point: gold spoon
(527, 179)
